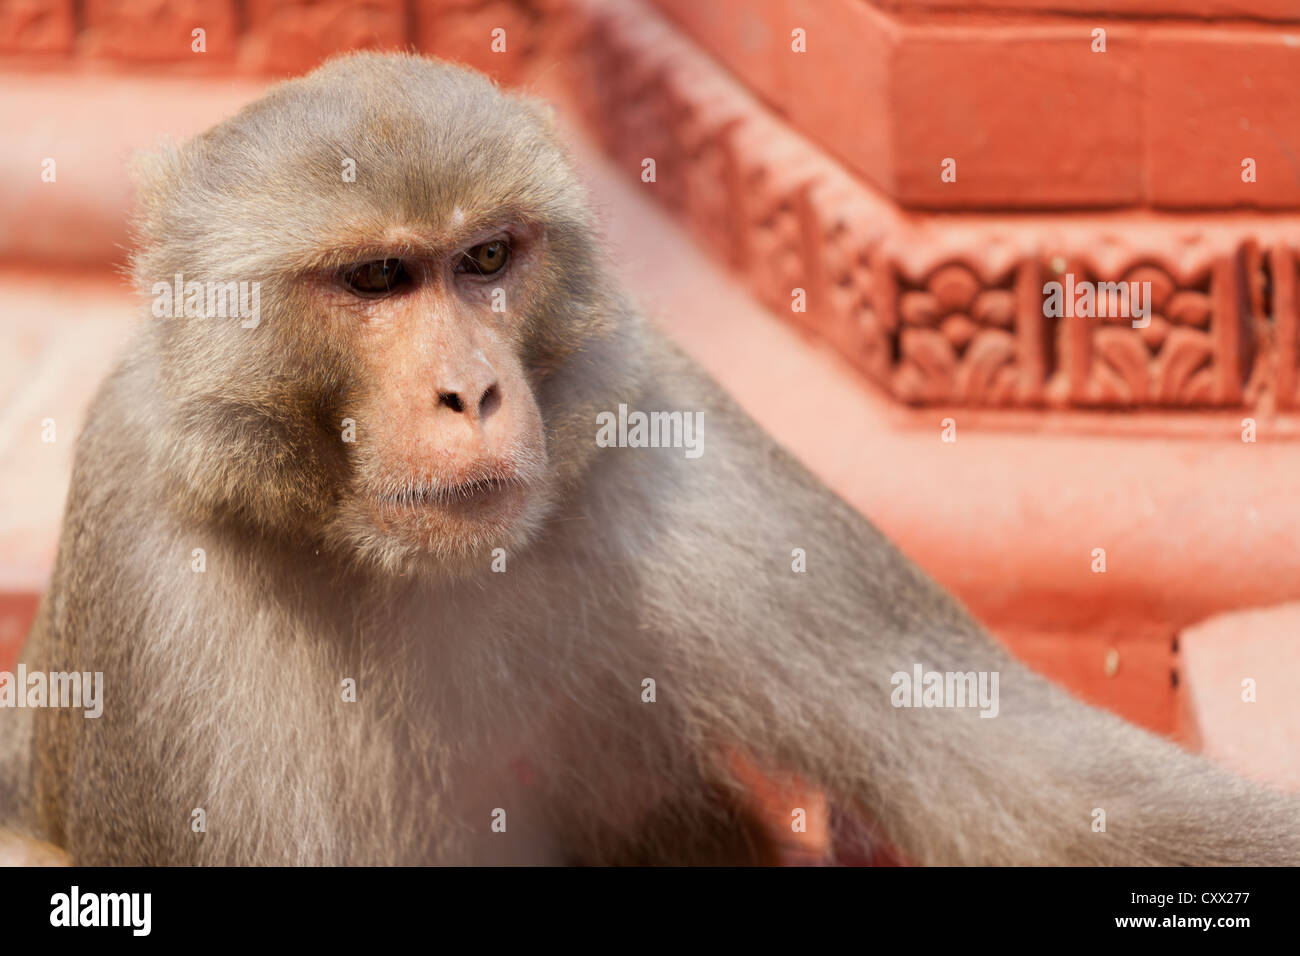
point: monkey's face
(448, 455)
(429, 279)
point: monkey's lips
(471, 494)
(489, 500)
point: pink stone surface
(89, 124)
(1258, 739)
(61, 332)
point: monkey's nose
(456, 399)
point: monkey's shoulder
(728, 521)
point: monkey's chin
(453, 531)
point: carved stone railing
(943, 308)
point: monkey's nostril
(452, 400)
(490, 401)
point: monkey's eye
(377, 278)
(485, 259)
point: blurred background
(854, 206)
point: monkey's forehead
(362, 143)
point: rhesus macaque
(365, 588)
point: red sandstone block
(666, 102)
(1102, 10)
(1032, 116)
(36, 26)
(1132, 677)
(162, 32)
(1029, 113)
(740, 34)
(17, 611)
(292, 36)
(836, 92)
(1213, 98)
(839, 92)
(467, 32)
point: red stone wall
(1034, 115)
(265, 37)
(947, 309)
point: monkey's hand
(770, 797)
(18, 850)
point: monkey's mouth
(494, 499)
(436, 511)
(465, 494)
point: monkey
(365, 588)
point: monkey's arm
(798, 666)
(15, 765)
(18, 847)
